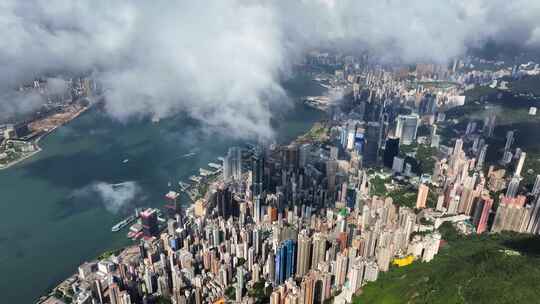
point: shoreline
(58, 285)
(128, 247)
(19, 160)
(38, 139)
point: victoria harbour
(52, 223)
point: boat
(214, 165)
(125, 161)
(119, 185)
(123, 223)
(190, 154)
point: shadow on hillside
(529, 245)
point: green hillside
(501, 268)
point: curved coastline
(38, 139)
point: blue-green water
(50, 223)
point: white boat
(123, 223)
(188, 155)
(125, 161)
(214, 166)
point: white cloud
(114, 197)
(222, 61)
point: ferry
(214, 165)
(123, 223)
(190, 154)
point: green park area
(318, 133)
(496, 268)
(107, 254)
(422, 157)
(402, 195)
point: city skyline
(302, 152)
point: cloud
(114, 197)
(56, 86)
(13, 103)
(22, 102)
(222, 61)
(415, 30)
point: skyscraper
(359, 141)
(509, 140)
(534, 222)
(458, 147)
(319, 250)
(225, 203)
(342, 262)
(481, 214)
(331, 172)
(291, 258)
(258, 179)
(406, 128)
(232, 165)
(173, 204)
(481, 157)
(350, 142)
(513, 186)
(114, 294)
(520, 163)
(489, 125)
(371, 151)
(285, 261)
(240, 274)
(391, 150)
(291, 156)
(304, 254)
(536, 187)
(149, 222)
(421, 199)
(257, 212)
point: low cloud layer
(13, 103)
(114, 197)
(222, 61)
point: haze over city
(161, 58)
(281, 152)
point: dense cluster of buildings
(300, 224)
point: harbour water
(59, 206)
